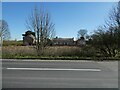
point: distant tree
(4, 30)
(29, 33)
(40, 23)
(82, 33)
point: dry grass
(18, 51)
(62, 51)
(50, 51)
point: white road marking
(37, 60)
(54, 69)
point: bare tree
(82, 33)
(107, 37)
(113, 26)
(114, 17)
(40, 23)
(4, 30)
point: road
(59, 74)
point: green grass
(12, 43)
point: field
(50, 51)
(15, 49)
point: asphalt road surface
(59, 74)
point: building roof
(63, 39)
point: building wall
(28, 40)
(80, 42)
(63, 41)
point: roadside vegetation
(107, 37)
(54, 52)
(104, 44)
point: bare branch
(4, 30)
(40, 23)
